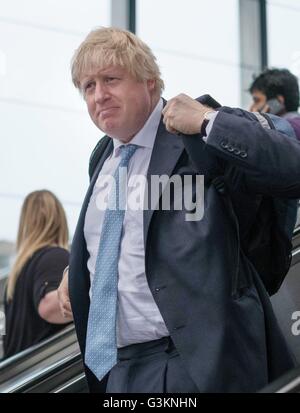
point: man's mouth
(104, 113)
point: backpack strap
(265, 120)
(277, 123)
(97, 153)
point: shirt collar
(146, 136)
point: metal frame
(252, 29)
(253, 43)
(123, 14)
(263, 34)
(132, 15)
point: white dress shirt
(138, 317)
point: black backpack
(268, 243)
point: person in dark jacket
(276, 91)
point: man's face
(117, 103)
(259, 101)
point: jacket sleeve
(269, 161)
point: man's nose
(101, 93)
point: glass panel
(283, 34)
(33, 74)
(194, 77)
(57, 15)
(45, 128)
(199, 50)
(42, 146)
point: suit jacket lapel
(166, 152)
(78, 244)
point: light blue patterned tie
(101, 346)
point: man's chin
(114, 131)
(108, 128)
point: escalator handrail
(70, 383)
(284, 384)
(295, 256)
(296, 252)
(22, 384)
(35, 348)
(296, 231)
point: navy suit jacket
(209, 294)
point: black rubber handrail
(35, 355)
(288, 383)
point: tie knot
(126, 152)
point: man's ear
(151, 84)
(281, 99)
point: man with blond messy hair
(162, 304)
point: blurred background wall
(46, 136)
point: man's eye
(88, 86)
(110, 79)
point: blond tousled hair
(42, 223)
(108, 46)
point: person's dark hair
(274, 82)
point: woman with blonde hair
(31, 306)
